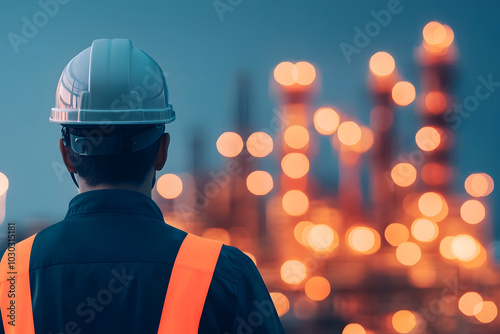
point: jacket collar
(113, 200)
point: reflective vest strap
(17, 292)
(188, 287)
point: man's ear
(161, 157)
(65, 157)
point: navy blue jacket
(105, 269)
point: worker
(112, 265)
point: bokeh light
(430, 204)
(4, 184)
(479, 185)
(281, 303)
(428, 138)
(403, 93)
(219, 234)
(169, 186)
(486, 313)
(301, 232)
(408, 253)
(349, 133)
(470, 303)
(317, 288)
(404, 321)
(302, 73)
(424, 230)
(295, 165)
(326, 121)
(259, 144)
(446, 248)
(259, 182)
(364, 240)
(293, 272)
(435, 102)
(396, 234)
(354, 329)
(382, 64)
(295, 202)
(296, 137)
(229, 144)
(437, 36)
(472, 211)
(322, 238)
(465, 247)
(404, 174)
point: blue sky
(201, 50)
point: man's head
(132, 169)
(112, 101)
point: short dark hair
(130, 168)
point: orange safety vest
(186, 293)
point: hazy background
(201, 53)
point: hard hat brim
(125, 117)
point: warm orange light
(434, 33)
(422, 276)
(424, 230)
(354, 329)
(364, 240)
(283, 73)
(322, 238)
(349, 133)
(404, 321)
(434, 173)
(396, 234)
(435, 102)
(326, 121)
(430, 204)
(281, 303)
(487, 313)
(169, 186)
(478, 185)
(437, 36)
(317, 288)
(301, 73)
(4, 184)
(403, 93)
(219, 234)
(470, 303)
(259, 182)
(229, 144)
(295, 202)
(404, 174)
(465, 247)
(293, 272)
(252, 257)
(259, 144)
(301, 232)
(472, 211)
(382, 64)
(296, 137)
(408, 253)
(295, 165)
(428, 138)
(366, 141)
(446, 249)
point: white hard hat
(112, 82)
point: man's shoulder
(232, 263)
